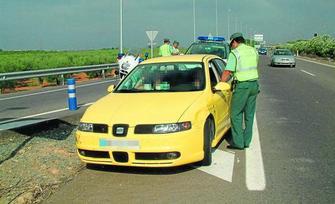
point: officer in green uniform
(165, 49)
(242, 66)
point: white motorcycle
(128, 62)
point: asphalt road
(30, 107)
(295, 119)
(290, 161)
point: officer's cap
(236, 35)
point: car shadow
(141, 170)
(53, 129)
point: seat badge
(120, 130)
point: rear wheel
(209, 132)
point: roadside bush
(322, 46)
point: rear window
(219, 49)
(283, 52)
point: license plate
(120, 144)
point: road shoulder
(316, 61)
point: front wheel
(209, 132)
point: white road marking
(327, 65)
(56, 90)
(307, 72)
(255, 176)
(222, 165)
(38, 114)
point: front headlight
(85, 127)
(162, 128)
(170, 128)
(93, 127)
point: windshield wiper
(133, 91)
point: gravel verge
(36, 160)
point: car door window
(213, 74)
(220, 64)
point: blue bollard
(72, 100)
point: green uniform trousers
(243, 104)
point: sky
(95, 24)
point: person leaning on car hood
(242, 66)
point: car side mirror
(111, 88)
(222, 86)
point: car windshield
(164, 77)
(218, 49)
(283, 52)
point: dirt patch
(36, 161)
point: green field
(11, 61)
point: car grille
(100, 128)
(144, 129)
(157, 156)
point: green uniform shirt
(165, 50)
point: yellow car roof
(177, 58)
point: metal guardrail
(56, 71)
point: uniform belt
(247, 81)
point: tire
(209, 131)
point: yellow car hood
(140, 108)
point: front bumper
(283, 63)
(162, 150)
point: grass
(12, 61)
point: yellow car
(168, 111)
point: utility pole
(246, 31)
(216, 18)
(241, 27)
(121, 27)
(194, 21)
(235, 24)
(228, 34)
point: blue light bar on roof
(211, 38)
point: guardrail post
(103, 73)
(63, 80)
(72, 100)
